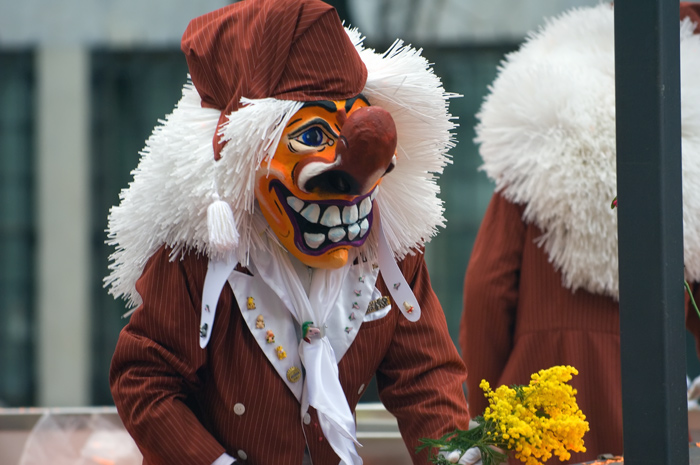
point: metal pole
(650, 229)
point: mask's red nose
(364, 153)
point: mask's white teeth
(350, 214)
(364, 226)
(314, 240)
(365, 207)
(336, 234)
(311, 213)
(331, 217)
(374, 193)
(353, 231)
(296, 203)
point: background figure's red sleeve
(421, 378)
(491, 297)
(155, 365)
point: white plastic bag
(79, 439)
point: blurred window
(17, 228)
(465, 191)
(131, 91)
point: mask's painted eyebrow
(325, 104)
(351, 101)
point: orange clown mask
(318, 191)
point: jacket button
(239, 409)
(307, 418)
(242, 455)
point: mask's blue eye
(312, 137)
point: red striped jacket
(186, 405)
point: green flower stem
(462, 440)
(690, 294)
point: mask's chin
(323, 231)
(331, 260)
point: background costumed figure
(541, 287)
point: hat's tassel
(223, 234)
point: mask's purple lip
(306, 231)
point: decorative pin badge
(396, 285)
(408, 307)
(293, 374)
(206, 308)
(378, 304)
(251, 303)
(281, 354)
(355, 305)
(260, 322)
(308, 331)
(270, 337)
(203, 330)
(358, 292)
(348, 329)
(352, 316)
(362, 279)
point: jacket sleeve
(420, 379)
(155, 365)
(491, 297)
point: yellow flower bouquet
(534, 421)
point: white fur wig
(177, 177)
(547, 138)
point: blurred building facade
(83, 83)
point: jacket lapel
(271, 325)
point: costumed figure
(291, 190)
(541, 287)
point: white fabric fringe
(547, 138)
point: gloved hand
(471, 457)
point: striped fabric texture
(518, 319)
(183, 405)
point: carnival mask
(318, 191)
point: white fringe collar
(547, 138)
